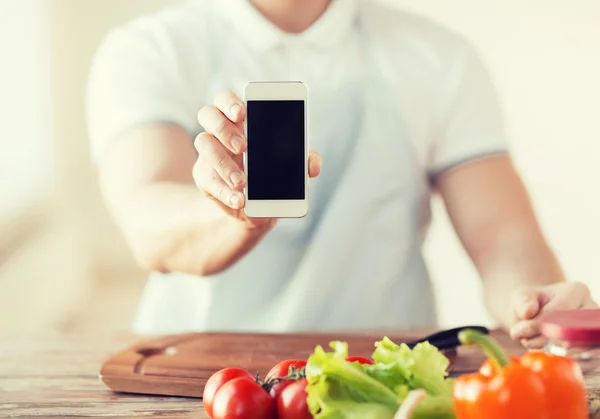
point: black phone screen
(276, 149)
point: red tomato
(281, 370)
(243, 398)
(216, 381)
(360, 360)
(279, 387)
(291, 403)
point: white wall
(25, 141)
(545, 57)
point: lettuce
(341, 390)
(422, 367)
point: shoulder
(172, 31)
(440, 85)
(410, 38)
(151, 69)
(165, 51)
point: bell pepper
(537, 385)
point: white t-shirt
(395, 101)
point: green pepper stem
(488, 344)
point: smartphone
(276, 159)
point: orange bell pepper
(535, 386)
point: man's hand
(529, 303)
(219, 170)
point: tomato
(281, 370)
(291, 403)
(360, 360)
(216, 381)
(279, 387)
(243, 398)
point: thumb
(526, 303)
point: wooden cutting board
(180, 365)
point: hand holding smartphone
(276, 160)
(253, 156)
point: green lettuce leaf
(435, 407)
(331, 378)
(341, 390)
(325, 402)
(422, 367)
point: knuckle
(223, 194)
(533, 328)
(576, 289)
(518, 296)
(214, 179)
(584, 289)
(204, 112)
(224, 96)
(579, 286)
(222, 127)
(202, 142)
(221, 163)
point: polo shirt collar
(331, 27)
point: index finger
(232, 106)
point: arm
(170, 225)
(492, 214)
(490, 208)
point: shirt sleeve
(134, 81)
(471, 125)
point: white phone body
(276, 104)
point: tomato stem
(488, 344)
(294, 374)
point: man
(400, 108)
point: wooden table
(56, 376)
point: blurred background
(63, 264)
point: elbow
(157, 260)
(147, 255)
(149, 260)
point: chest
(336, 83)
(353, 118)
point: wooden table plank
(56, 376)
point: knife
(447, 339)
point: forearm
(174, 227)
(170, 225)
(495, 221)
(518, 257)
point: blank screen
(276, 150)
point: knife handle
(447, 339)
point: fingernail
(235, 110)
(237, 143)
(235, 200)
(237, 178)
